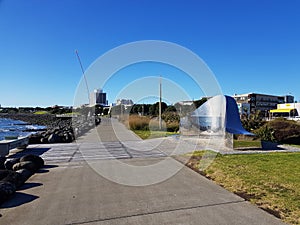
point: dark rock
(25, 174)
(43, 140)
(4, 173)
(35, 138)
(7, 189)
(9, 163)
(33, 158)
(14, 178)
(2, 161)
(54, 138)
(29, 165)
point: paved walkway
(71, 191)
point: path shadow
(45, 168)
(18, 199)
(33, 151)
(29, 185)
(49, 166)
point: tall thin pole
(294, 110)
(85, 80)
(159, 105)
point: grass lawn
(146, 134)
(41, 112)
(272, 181)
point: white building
(288, 110)
(128, 102)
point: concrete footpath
(71, 191)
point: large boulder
(25, 174)
(7, 189)
(54, 138)
(30, 162)
(12, 177)
(3, 174)
(33, 158)
(2, 161)
(9, 163)
(29, 165)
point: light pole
(159, 106)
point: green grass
(146, 134)
(41, 112)
(272, 181)
(246, 144)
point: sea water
(17, 128)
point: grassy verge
(272, 181)
(41, 112)
(246, 144)
(147, 134)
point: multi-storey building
(98, 97)
(262, 102)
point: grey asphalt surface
(71, 191)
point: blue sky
(250, 45)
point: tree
(98, 110)
(253, 122)
(154, 109)
(198, 103)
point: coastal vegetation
(270, 181)
(143, 119)
(62, 124)
(279, 130)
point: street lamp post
(160, 98)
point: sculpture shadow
(18, 199)
(266, 145)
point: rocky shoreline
(63, 129)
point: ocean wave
(4, 130)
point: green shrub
(253, 122)
(280, 130)
(172, 120)
(266, 133)
(173, 126)
(286, 131)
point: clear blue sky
(250, 45)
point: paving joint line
(125, 149)
(157, 212)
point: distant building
(286, 110)
(186, 103)
(98, 97)
(244, 108)
(128, 102)
(262, 102)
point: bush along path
(15, 172)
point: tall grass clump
(139, 122)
